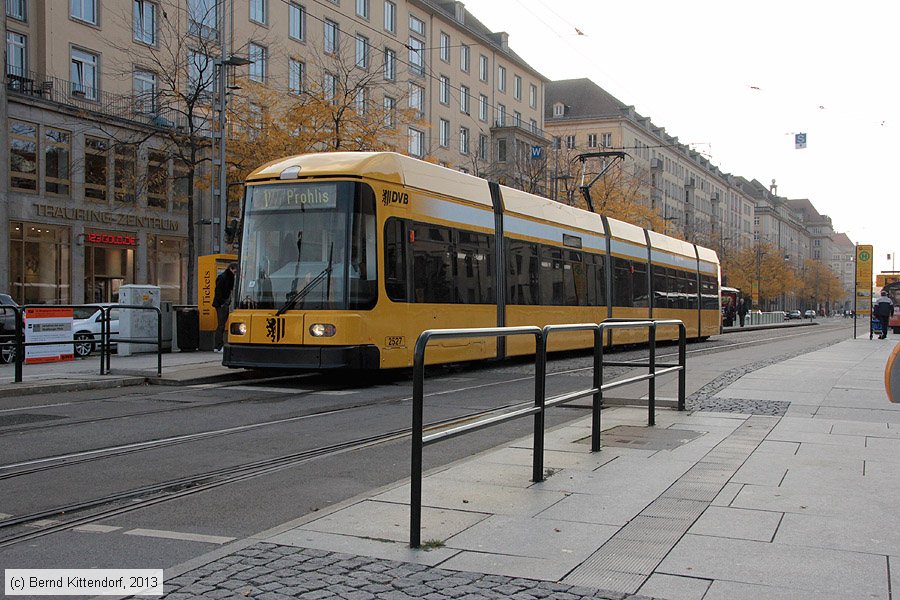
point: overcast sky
(736, 81)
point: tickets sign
(48, 324)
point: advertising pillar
(208, 268)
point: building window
(483, 107)
(464, 99)
(445, 47)
(57, 150)
(144, 25)
(606, 140)
(417, 97)
(416, 25)
(416, 56)
(84, 74)
(483, 68)
(124, 173)
(390, 108)
(22, 156)
(517, 87)
(180, 188)
(362, 8)
(84, 10)
(203, 18)
(570, 141)
(390, 64)
(145, 92)
(201, 74)
(517, 118)
(360, 101)
(362, 51)
(559, 109)
(532, 95)
(258, 56)
(16, 9)
(444, 90)
(501, 115)
(464, 56)
(534, 127)
(39, 263)
(296, 21)
(501, 78)
(463, 140)
(416, 142)
(390, 16)
(296, 75)
(96, 157)
(444, 133)
(501, 150)
(16, 54)
(168, 267)
(482, 146)
(592, 140)
(157, 179)
(330, 88)
(332, 43)
(258, 12)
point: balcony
(135, 108)
(518, 123)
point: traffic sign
(537, 152)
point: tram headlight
(238, 328)
(322, 330)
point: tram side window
(640, 293)
(523, 273)
(552, 286)
(395, 283)
(575, 279)
(432, 254)
(622, 292)
(596, 282)
(709, 295)
(474, 268)
(692, 291)
(662, 298)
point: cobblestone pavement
(705, 398)
(273, 572)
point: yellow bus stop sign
(892, 375)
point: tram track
(150, 495)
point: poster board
(49, 324)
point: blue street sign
(537, 152)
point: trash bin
(187, 323)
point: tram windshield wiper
(302, 292)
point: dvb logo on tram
(389, 197)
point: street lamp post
(220, 173)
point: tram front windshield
(308, 246)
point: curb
(12, 390)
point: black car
(7, 328)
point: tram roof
(390, 167)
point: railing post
(19, 347)
(415, 484)
(682, 361)
(597, 384)
(540, 392)
(158, 341)
(651, 383)
(104, 323)
(109, 340)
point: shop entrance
(106, 269)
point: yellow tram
(347, 257)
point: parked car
(793, 314)
(810, 314)
(7, 329)
(87, 326)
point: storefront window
(96, 154)
(168, 267)
(22, 156)
(125, 173)
(57, 150)
(107, 265)
(157, 177)
(39, 257)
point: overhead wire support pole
(586, 189)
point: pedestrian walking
(221, 302)
(883, 309)
(742, 311)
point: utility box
(138, 324)
(208, 268)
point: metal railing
(105, 342)
(541, 402)
(138, 107)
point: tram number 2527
(395, 341)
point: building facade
(101, 95)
